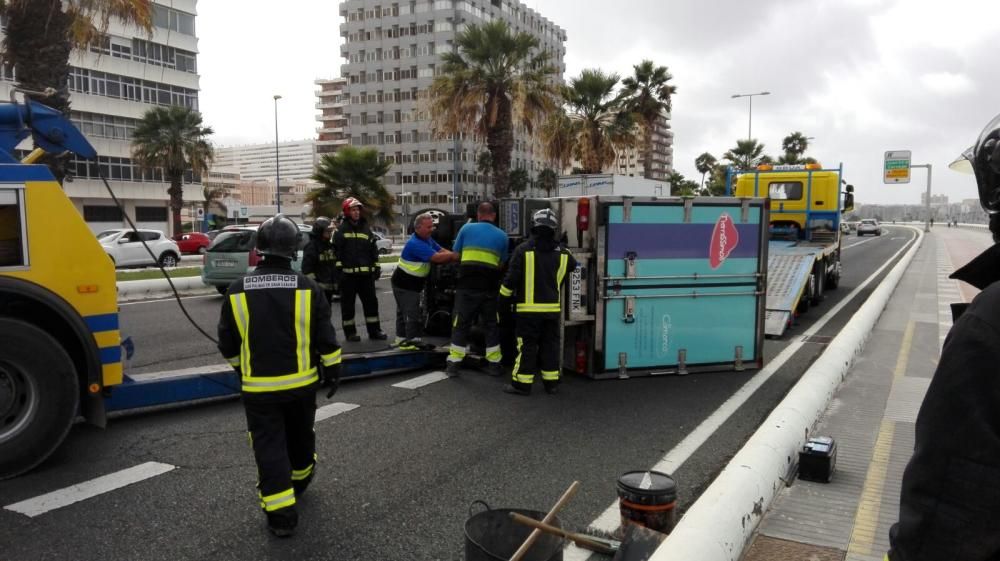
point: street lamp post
(277, 165)
(749, 97)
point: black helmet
(320, 226)
(985, 160)
(278, 236)
(545, 218)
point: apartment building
(111, 87)
(632, 162)
(297, 160)
(392, 54)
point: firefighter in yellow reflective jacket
(275, 331)
(537, 272)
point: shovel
(593, 543)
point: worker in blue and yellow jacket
(276, 333)
(534, 279)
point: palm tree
(496, 79)
(548, 180)
(558, 139)
(596, 127)
(213, 197)
(519, 181)
(173, 139)
(747, 154)
(704, 164)
(647, 95)
(352, 172)
(40, 35)
(794, 145)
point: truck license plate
(224, 262)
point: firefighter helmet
(321, 225)
(278, 236)
(545, 218)
(349, 203)
(985, 159)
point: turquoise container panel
(695, 285)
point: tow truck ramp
(787, 278)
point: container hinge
(630, 258)
(629, 309)
(627, 210)
(682, 362)
(622, 365)
(744, 210)
(738, 359)
(688, 209)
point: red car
(192, 242)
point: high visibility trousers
(470, 304)
(363, 285)
(537, 349)
(284, 447)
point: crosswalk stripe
(334, 409)
(88, 489)
(421, 381)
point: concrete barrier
(719, 525)
(186, 286)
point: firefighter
(408, 280)
(357, 260)
(951, 485)
(534, 279)
(318, 260)
(275, 331)
(482, 249)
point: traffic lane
(405, 465)
(962, 245)
(165, 340)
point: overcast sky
(860, 76)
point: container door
(683, 288)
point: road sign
(244, 212)
(897, 166)
(200, 213)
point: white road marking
(169, 299)
(610, 519)
(421, 381)
(334, 409)
(88, 489)
(861, 243)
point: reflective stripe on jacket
(536, 274)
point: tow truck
(804, 253)
(61, 350)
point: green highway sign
(897, 166)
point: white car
(125, 248)
(382, 243)
(869, 226)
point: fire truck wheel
(38, 396)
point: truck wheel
(38, 396)
(833, 281)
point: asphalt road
(396, 474)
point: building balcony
(329, 130)
(336, 142)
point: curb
(720, 524)
(186, 286)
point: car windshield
(868, 222)
(108, 234)
(232, 241)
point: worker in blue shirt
(482, 249)
(409, 277)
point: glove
(377, 272)
(331, 379)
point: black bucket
(648, 498)
(492, 535)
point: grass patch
(388, 259)
(156, 274)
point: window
(103, 213)
(785, 191)
(150, 214)
(12, 239)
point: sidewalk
(872, 418)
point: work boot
(378, 336)
(354, 338)
(551, 388)
(494, 369)
(397, 341)
(281, 532)
(452, 369)
(282, 524)
(516, 390)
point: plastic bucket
(492, 535)
(648, 498)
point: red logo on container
(725, 238)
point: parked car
(192, 242)
(869, 226)
(383, 243)
(125, 248)
(233, 254)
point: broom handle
(578, 539)
(548, 518)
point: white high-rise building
(392, 52)
(111, 86)
(297, 160)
